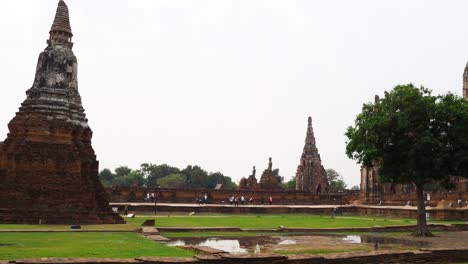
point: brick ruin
(249, 183)
(48, 168)
(270, 179)
(310, 175)
(465, 83)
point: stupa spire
(310, 138)
(310, 175)
(61, 32)
(465, 83)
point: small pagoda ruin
(249, 183)
(310, 175)
(270, 178)
(48, 168)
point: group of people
(150, 197)
(236, 200)
(202, 199)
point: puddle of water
(256, 245)
(352, 239)
(238, 245)
(287, 242)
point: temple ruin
(270, 179)
(310, 175)
(48, 168)
(249, 183)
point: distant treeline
(164, 176)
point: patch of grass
(274, 221)
(242, 221)
(90, 244)
(128, 227)
(320, 251)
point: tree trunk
(421, 228)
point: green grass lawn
(274, 221)
(242, 221)
(93, 245)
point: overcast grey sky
(226, 84)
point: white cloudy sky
(226, 84)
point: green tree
(175, 180)
(122, 171)
(335, 181)
(152, 172)
(289, 185)
(355, 188)
(196, 177)
(217, 177)
(106, 176)
(415, 137)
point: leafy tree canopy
(414, 137)
(166, 176)
(335, 181)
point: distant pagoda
(310, 175)
(48, 168)
(465, 82)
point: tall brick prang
(311, 175)
(465, 82)
(48, 168)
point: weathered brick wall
(220, 196)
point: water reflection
(255, 245)
(238, 245)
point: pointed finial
(309, 120)
(465, 73)
(61, 32)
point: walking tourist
(242, 200)
(251, 200)
(270, 200)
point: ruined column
(48, 168)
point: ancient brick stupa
(270, 179)
(48, 169)
(311, 175)
(249, 183)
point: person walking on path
(251, 200)
(270, 200)
(242, 200)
